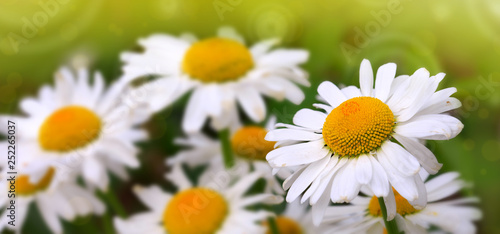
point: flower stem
(113, 201)
(390, 226)
(227, 152)
(107, 223)
(273, 226)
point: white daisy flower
(249, 149)
(354, 142)
(221, 71)
(209, 207)
(54, 198)
(451, 216)
(77, 126)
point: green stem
(227, 152)
(113, 201)
(272, 225)
(390, 226)
(107, 223)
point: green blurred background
(460, 38)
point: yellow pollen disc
(358, 126)
(403, 207)
(285, 226)
(24, 187)
(249, 142)
(195, 210)
(217, 60)
(69, 128)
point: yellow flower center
(249, 142)
(195, 210)
(358, 126)
(69, 128)
(217, 60)
(24, 187)
(285, 226)
(403, 207)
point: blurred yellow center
(285, 226)
(403, 207)
(358, 126)
(24, 187)
(217, 60)
(69, 128)
(249, 142)
(195, 210)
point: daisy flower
(209, 207)
(367, 136)
(249, 148)
(449, 215)
(56, 199)
(77, 126)
(221, 71)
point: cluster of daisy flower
(363, 146)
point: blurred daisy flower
(367, 136)
(449, 215)
(249, 148)
(77, 126)
(55, 199)
(209, 207)
(221, 71)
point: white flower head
(249, 150)
(77, 127)
(56, 199)
(452, 216)
(367, 136)
(221, 72)
(212, 206)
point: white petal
(399, 158)
(431, 127)
(326, 108)
(366, 78)
(390, 204)
(379, 183)
(306, 178)
(404, 185)
(49, 214)
(363, 169)
(318, 209)
(351, 92)
(292, 178)
(345, 186)
(331, 93)
(262, 47)
(177, 177)
(383, 82)
(442, 106)
(421, 202)
(213, 97)
(309, 118)
(237, 190)
(297, 154)
(153, 196)
(292, 134)
(283, 57)
(252, 103)
(194, 115)
(423, 155)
